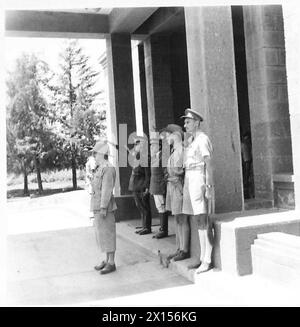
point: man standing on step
(158, 187)
(198, 185)
(139, 183)
(175, 173)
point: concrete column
(121, 96)
(268, 100)
(143, 89)
(213, 93)
(180, 76)
(158, 81)
(291, 15)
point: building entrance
(243, 101)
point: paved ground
(52, 251)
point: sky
(47, 49)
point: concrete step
(276, 256)
(281, 249)
(233, 238)
(284, 239)
(270, 270)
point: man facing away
(198, 185)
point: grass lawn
(53, 182)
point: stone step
(278, 254)
(283, 239)
(280, 248)
(273, 267)
(233, 238)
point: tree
(75, 104)
(18, 159)
(27, 116)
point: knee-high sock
(185, 228)
(208, 246)
(202, 244)
(178, 235)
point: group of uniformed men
(183, 188)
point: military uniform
(175, 182)
(103, 183)
(138, 183)
(158, 188)
(194, 201)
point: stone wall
(268, 99)
(291, 15)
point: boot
(163, 231)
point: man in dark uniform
(139, 185)
(158, 185)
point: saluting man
(198, 185)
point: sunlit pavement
(52, 251)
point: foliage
(29, 137)
(52, 117)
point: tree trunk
(38, 175)
(74, 178)
(26, 190)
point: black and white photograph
(150, 155)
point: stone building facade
(227, 62)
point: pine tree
(29, 136)
(75, 104)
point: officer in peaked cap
(192, 114)
(198, 186)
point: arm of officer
(108, 184)
(208, 176)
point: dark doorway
(243, 101)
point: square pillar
(268, 98)
(180, 75)
(158, 81)
(121, 98)
(143, 89)
(210, 52)
(291, 15)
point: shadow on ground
(19, 193)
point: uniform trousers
(142, 201)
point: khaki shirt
(194, 202)
(196, 150)
(175, 165)
(103, 183)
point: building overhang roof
(87, 22)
